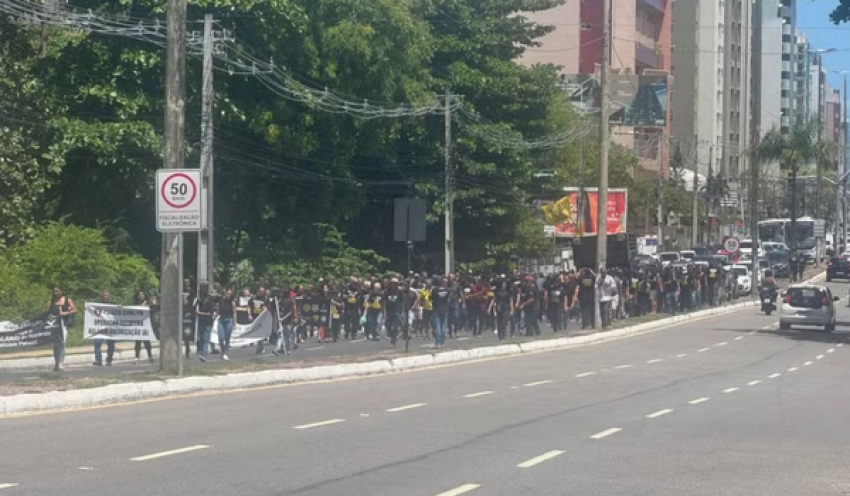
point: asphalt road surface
(721, 406)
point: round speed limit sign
(178, 200)
(731, 245)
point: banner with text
(117, 323)
(41, 330)
(244, 335)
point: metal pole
(808, 82)
(604, 143)
(171, 283)
(844, 171)
(755, 131)
(449, 203)
(709, 198)
(206, 245)
(818, 210)
(660, 212)
(695, 213)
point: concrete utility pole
(845, 168)
(206, 248)
(171, 285)
(660, 212)
(755, 132)
(709, 202)
(604, 140)
(449, 203)
(695, 213)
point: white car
(745, 280)
(668, 257)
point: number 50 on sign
(178, 200)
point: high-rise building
(776, 102)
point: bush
(74, 258)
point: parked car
(808, 305)
(687, 254)
(837, 268)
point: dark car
(780, 262)
(838, 268)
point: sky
(813, 21)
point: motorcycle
(768, 300)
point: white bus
(809, 236)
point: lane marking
(358, 341)
(808, 363)
(654, 360)
(753, 383)
(739, 338)
(475, 395)
(7, 485)
(774, 376)
(514, 387)
(606, 433)
(539, 383)
(704, 349)
(585, 374)
(162, 454)
(464, 339)
(793, 369)
(681, 355)
(314, 348)
(540, 459)
(767, 327)
(460, 490)
(319, 424)
(730, 390)
(627, 366)
(840, 345)
(819, 357)
(698, 401)
(405, 407)
(364, 415)
(659, 413)
(724, 343)
(830, 350)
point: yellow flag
(559, 211)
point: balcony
(647, 56)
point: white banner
(117, 323)
(244, 335)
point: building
(833, 130)
(776, 103)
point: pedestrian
(586, 297)
(63, 309)
(607, 291)
(455, 304)
(440, 296)
(374, 305)
(393, 308)
(142, 300)
(671, 291)
(554, 303)
(188, 323)
(409, 308)
(287, 315)
(205, 312)
(352, 309)
(528, 303)
(503, 307)
(106, 298)
(226, 318)
(244, 313)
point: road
(721, 406)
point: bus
(809, 236)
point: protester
(287, 316)
(188, 323)
(226, 318)
(529, 303)
(440, 296)
(244, 314)
(586, 297)
(393, 308)
(503, 307)
(105, 297)
(205, 310)
(607, 290)
(61, 307)
(142, 300)
(374, 305)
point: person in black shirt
(528, 302)
(713, 282)
(410, 299)
(671, 291)
(440, 296)
(455, 302)
(393, 308)
(188, 324)
(554, 303)
(374, 305)
(352, 309)
(586, 296)
(226, 318)
(503, 306)
(204, 309)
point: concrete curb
(118, 393)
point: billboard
(639, 100)
(576, 214)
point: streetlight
(809, 55)
(841, 195)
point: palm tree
(799, 146)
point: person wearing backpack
(61, 307)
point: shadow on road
(813, 335)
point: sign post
(178, 210)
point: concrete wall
(562, 46)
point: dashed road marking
(681, 355)
(793, 369)
(831, 350)
(724, 343)
(703, 349)
(819, 357)
(314, 348)
(840, 345)
(460, 490)
(698, 401)
(319, 424)
(659, 413)
(162, 454)
(540, 459)
(467, 338)
(767, 327)
(476, 395)
(539, 383)
(730, 390)
(365, 415)
(627, 366)
(753, 383)
(774, 376)
(654, 360)
(405, 407)
(739, 338)
(606, 433)
(585, 374)
(808, 363)
(8, 485)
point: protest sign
(41, 330)
(118, 323)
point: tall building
(777, 103)
(811, 96)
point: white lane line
(514, 387)
(659, 413)
(319, 424)
(767, 327)
(681, 355)
(405, 407)
(606, 433)
(724, 343)
(7, 485)
(540, 459)
(585, 374)
(654, 360)
(627, 366)
(358, 340)
(739, 338)
(819, 357)
(730, 390)
(793, 369)
(808, 363)
(698, 401)
(840, 345)
(831, 350)
(464, 339)
(704, 349)
(753, 383)
(162, 454)
(476, 395)
(774, 376)
(460, 490)
(314, 348)
(538, 383)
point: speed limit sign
(178, 200)
(731, 245)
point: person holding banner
(62, 308)
(98, 343)
(287, 316)
(142, 300)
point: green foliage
(73, 258)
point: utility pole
(660, 193)
(604, 143)
(755, 131)
(846, 164)
(449, 203)
(695, 213)
(710, 197)
(171, 285)
(206, 246)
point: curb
(118, 393)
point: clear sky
(813, 21)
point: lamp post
(841, 196)
(809, 55)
